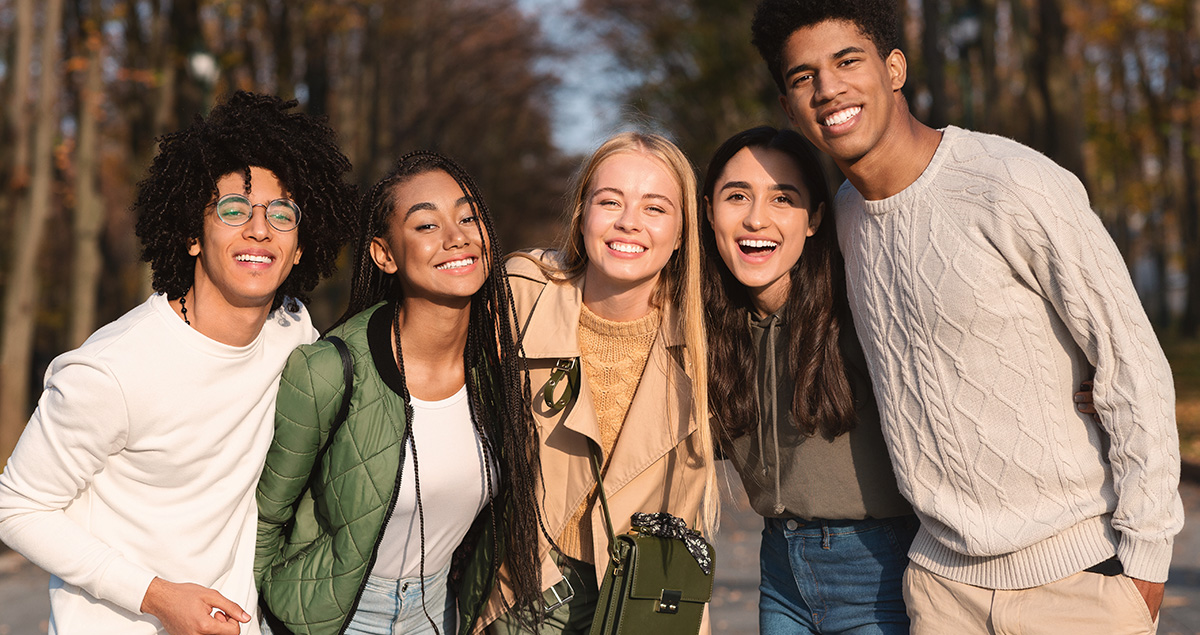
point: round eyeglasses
(236, 210)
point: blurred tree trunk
(1189, 68)
(14, 139)
(316, 66)
(20, 296)
(185, 40)
(991, 107)
(89, 209)
(934, 63)
(19, 113)
(280, 27)
(1061, 132)
(1160, 188)
(177, 97)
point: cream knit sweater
(983, 294)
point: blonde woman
(621, 300)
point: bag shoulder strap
(347, 381)
(347, 391)
(608, 526)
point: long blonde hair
(679, 283)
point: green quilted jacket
(319, 525)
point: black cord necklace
(183, 308)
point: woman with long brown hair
(797, 415)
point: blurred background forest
(1106, 88)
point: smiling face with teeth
(632, 225)
(243, 266)
(433, 240)
(841, 93)
(760, 215)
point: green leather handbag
(654, 583)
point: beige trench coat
(656, 464)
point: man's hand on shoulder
(1152, 593)
(187, 609)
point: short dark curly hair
(246, 130)
(776, 20)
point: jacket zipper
(408, 414)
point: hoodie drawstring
(770, 409)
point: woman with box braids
(439, 398)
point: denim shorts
(392, 607)
(834, 576)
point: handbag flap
(665, 563)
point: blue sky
(586, 107)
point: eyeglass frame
(287, 201)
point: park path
(24, 604)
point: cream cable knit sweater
(983, 294)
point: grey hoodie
(789, 473)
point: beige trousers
(1085, 603)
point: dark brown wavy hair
(500, 404)
(813, 312)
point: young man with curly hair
(984, 290)
(133, 483)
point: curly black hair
(246, 130)
(776, 20)
(501, 411)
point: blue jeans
(834, 576)
(393, 607)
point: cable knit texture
(984, 293)
(614, 355)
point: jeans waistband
(383, 584)
(819, 524)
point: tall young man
(984, 290)
(133, 483)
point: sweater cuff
(1147, 561)
(124, 584)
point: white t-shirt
(453, 489)
(140, 461)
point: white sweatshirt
(140, 461)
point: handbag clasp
(668, 602)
